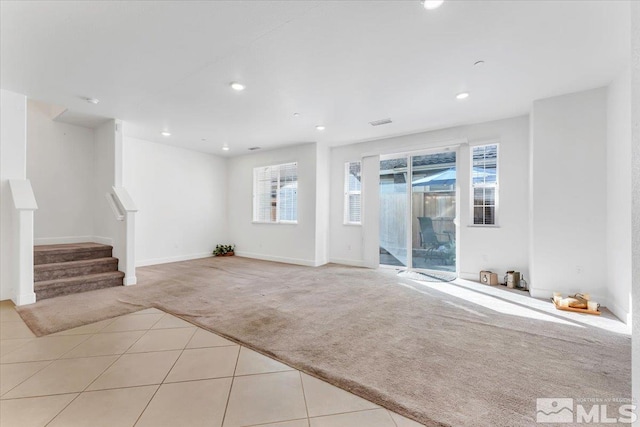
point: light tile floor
(153, 369)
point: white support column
(24, 203)
(130, 244)
(127, 234)
(24, 293)
(371, 211)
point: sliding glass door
(433, 210)
(417, 211)
(394, 208)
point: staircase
(73, 268)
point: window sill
(275, 223)
(352, 224)
(483, 225)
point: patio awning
(448, 177)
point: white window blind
(484, 173)
(352, 193)
(275, 193)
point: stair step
(71, 285)
(61, 270)
(49, 254)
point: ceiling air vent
(254, 148)
(380, 122)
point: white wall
(60, 167)
(13, 147)
(105, 227)
(181, 199)
(569, 181)
(323, 200)
(618, 195)
(497, 248)
(293, 243)
(635, 147)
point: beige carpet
(432, 357)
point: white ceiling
(167, 65)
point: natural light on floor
(502, 300)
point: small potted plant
(224, 250)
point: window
(275, 193)
(484, 172)
(352, 193)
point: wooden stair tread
(70, 247)
(51, 254)
(71, 268)
(79, 279)
(79, 263)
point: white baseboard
(345, 261)
(541, 293)
(103, 240)
(128, 281)
(155, 261)
(470, 276)
(620, 312)
(286, 260)
(62, 240)
(28, 298)
(323, 261)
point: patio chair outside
(429, 239)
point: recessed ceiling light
(462, 95)
(478, 63)
(236, 86)
(92, 100)
(432, 4)
(320, 127)
(165, 133)
(225, 148)
(296, 114)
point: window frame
(278, 167)
(473, 186)
(346, 220)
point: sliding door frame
(370, 199)
(409, 216)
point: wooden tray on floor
(576, 310)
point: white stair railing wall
(24, 203)
(124, 210)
